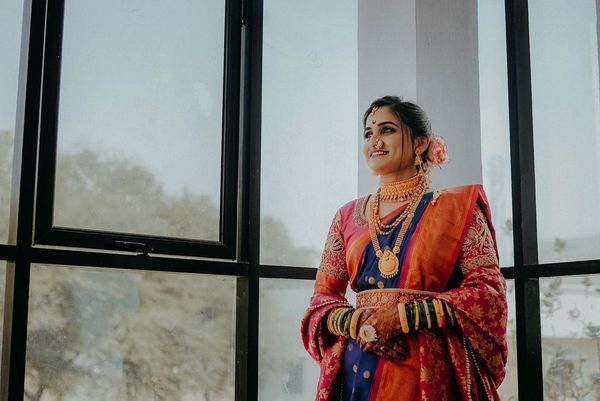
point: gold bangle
(330, 321)
(442, 312)
(354, 322)
(417, 317)
(403, 320)
(335, 317)
(339, 323)
(439, 314)
(449, 313)
(347, 321)
(426, 307)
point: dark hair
(409, 113)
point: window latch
(140, 247)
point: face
(395, 157)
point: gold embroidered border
(333, 271)
(484, 260)
(358, 213)
(389, 297)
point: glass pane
(333, 60)
(495, 133)
(309, 139)
(11, 18)
(570, 308)
(121, 335)
(566, 122)
(139, 131)
(508, 389)
(286, 371)
(2, 293)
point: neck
(397, 176)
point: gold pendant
(388, 264)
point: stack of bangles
(426, 313)
(339, 321)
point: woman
(430, 319)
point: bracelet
(442, 315)
(421, 312)
(403, 321)
(439, 313)
(449, 313)
(427, 315)
(347, 320)
(415, 306)
(354, 322)
(330, 321)
(341, 323)
(336, 320)
(444, 319)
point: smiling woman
(418, 329)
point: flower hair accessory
(437, 151)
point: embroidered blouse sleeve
(332, 274)
(478, 246)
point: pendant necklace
(388, 260)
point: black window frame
(238, 254)
(47, 234)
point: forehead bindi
(380, 116)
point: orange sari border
(444, 226)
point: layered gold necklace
(412, 189)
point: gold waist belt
(389, 297)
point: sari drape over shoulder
(450, 253)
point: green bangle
(347, 322)
(341, 322)
(422, 315)
(432, 313)
(335, 321)
(410, 316)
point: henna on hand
(387, 325)
(395, 349)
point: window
(168, 175)
(11, 19)
(571, 337)
(119, 334)
(133, 104)
(309, 132)
(566, 111)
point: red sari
(449, 253)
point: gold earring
(418, 161)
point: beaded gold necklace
(413, 189)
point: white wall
(426, 52)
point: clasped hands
(390, 343)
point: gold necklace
(388, 261)
(400, 190)
(417, 186)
